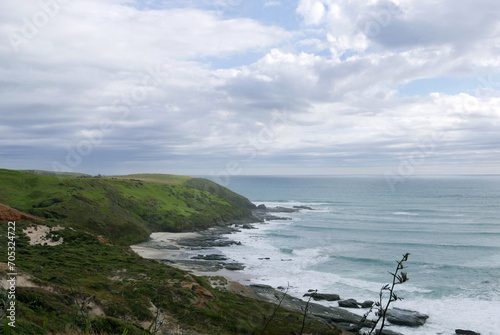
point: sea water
(360, 226)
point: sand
(224, 279)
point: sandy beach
(171, 248)
(169, 240)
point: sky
(248, 87)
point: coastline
(202, 253)
(196, 253)
(177, 248)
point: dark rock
(262, 206)
(247, 226)
(350, 327)
(234, 266)
(366, 304)
(303, 207)
(262, 286)
(386, 331)
(280, 209)
(349, 303)
(323, 296)
(331, 315)
(265, 216)
(261, 258)
(465, 332)
(404, 317)
(212, 257)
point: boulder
(386, 331)
(366, 304)
(247, 226)
(350, 327)
(234, 266)
(349, 303)
(404, 317)
(303, 207)
(262, 286)
(262, 206)
(323, 296)
(465, 332)
(211, 257)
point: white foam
(300, 269)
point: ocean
(360, 226)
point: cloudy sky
(229, 87)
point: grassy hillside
(126, 210)
(87, 279)
(93, 277)
(158, 178)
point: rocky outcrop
(323, 296)
(235, 266)
(304, 207)
(211, 257)
(348, 303)
(465, 332)
(404, 317)
(266, 213)
(366, 304)
(331, 315)
(386, 331)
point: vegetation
(94, 282)
(124, 210)
(57, 174)
(398, 277)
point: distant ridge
(56, 174)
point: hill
(126, 209)
(76, 272)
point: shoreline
(169, 248)
(179, 249)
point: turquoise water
(360, 226)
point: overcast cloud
(250, 87)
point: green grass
(124, 285)
(57, 174)
(125, 210)
(112, 277)
(157, 178)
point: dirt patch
(226, 284)
(23, 279)
(10, 214)
(38, 235)
(202, 293)
(103, 240)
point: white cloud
(313, 11)
(148, 73)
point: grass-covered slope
(93, 280)
(125, 210)
(86, 279)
